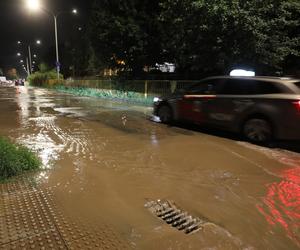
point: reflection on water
(46, 148)
(39, 140)
(281, 205)
(154, 139)
(42, 141)
(23, 99)
(40, 132)
(283, 156)
(42, 176)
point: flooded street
(104, 161)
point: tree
(42, 77)
(125, 34)
(12, 74)
(202, 37)
(212, 36)
(43, 68)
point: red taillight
(297, 105)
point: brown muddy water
(107, 161)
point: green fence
(147, 88)
(141, 91)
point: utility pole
(56, 46)
(30, 62)
(27, 64)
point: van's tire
(165, 114)
(258, 130)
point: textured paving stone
(31, 219)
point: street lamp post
(30, 64)
(27, 64)
(56, 47)
(35, 5)
(55, 17)
(38, 42)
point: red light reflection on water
(281, 205)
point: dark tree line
(202, 37)
(214, 36)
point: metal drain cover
(172, 215)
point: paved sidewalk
(30, 218)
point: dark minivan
(261, 108)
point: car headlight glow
(156, 99)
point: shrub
(16, 159)
(42, 77)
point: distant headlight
(156, 99)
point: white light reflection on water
(42, 176)
(47, 150)
(38, 141)
(154, 139)
(285, 157)
(41, 142)
(23, 99)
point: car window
(249, 87)
(297, 84)
(233, 87)
(208, 87)
(267, 88)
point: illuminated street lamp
(37, 42)
(18, 54)
(21, 61)
(35, 5)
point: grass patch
(16, 159)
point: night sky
(18, 24)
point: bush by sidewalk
(41, 78)
(16, 159)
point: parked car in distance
(20, 82)
(260, 108)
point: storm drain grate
(172, 215)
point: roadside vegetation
(16, 159)
(123, 95)
(41, 77)
(47, 78)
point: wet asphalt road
(106, 160)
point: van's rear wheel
(165, 114)
(258, 130)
